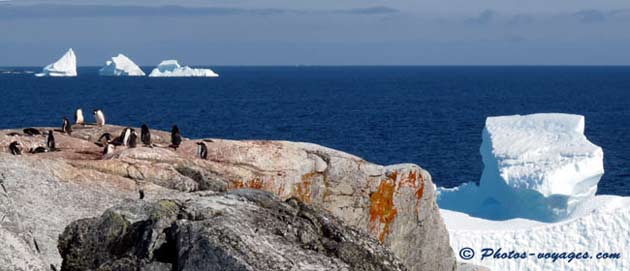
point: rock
(394, 204)
(240, 230)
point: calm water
(432, 116)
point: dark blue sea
(432, 116)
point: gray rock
(393, 204)
(241, 230)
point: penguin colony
(127, 138)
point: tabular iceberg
(537, 166)
(537, 195)
(65, 66)
(120, 65)
(171, 68)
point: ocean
(431, 116)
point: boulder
(393, 204)
(241, 230)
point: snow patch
(171, 68)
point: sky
(322, 32)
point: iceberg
(120, 65)
(65, 66)
(538, 166)
(171, 68)
(536, 196)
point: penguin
(13, 147)
(176, 137)
(133, 138)
(145, 135)
(104, 139)
(109, 148)
(99, 117)
(202, 150)
(50, 141)
(66, 127)
(31, 131)
(141, 193)
(78, 116)
(39, 149)
(124, 137)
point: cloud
(56, 10)
(484, 17)
(590, 16)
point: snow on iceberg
(537, 195)
(171, 68)
(120, 65)
(65, 66)
(600, 225)
(538, 166)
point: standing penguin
(124, 136)
(145, 135)
(99, 117)
(13, 147)
(50, 141)
(176, 137)
(133, 138)
(78, 116)
(66, 127)
(202, 150)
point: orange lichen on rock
(255, 183)
(303, 189)
(410, 180)
(382, 209)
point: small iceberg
(65, 66)
(120, 65)
(171, 68)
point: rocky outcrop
(241, 230)
(393, 204)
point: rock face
(240, 230)
(64, 67)
(393, 204)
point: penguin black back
(176, 137)
(145, 135)
(202, 150)
(13, 147)
(133, 139)
(31, 131)
(66, 127)
(50, 141)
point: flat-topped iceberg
(171, 68)
(65, 66)
(537, 166)
(537, 195)
(120, 65)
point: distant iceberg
(171, 68)
(65, 66)
(120, 65)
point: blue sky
(323, 32)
